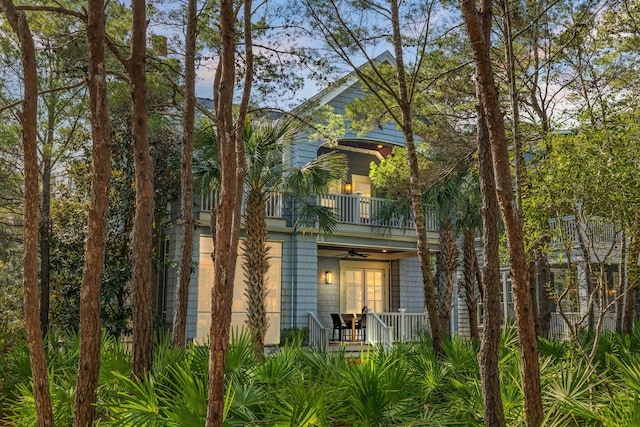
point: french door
(363, 285)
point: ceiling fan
(353, 253)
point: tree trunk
(90, 333)
(633, 279)
(29, 121)
(255, 265)
(227, 231)
(449, 253)
(414, 186)
(178, 337)
(544, 280)
(143, 219)
(478, 28)
(45, 238)
(469, 283)
(490, 285)
(622, 280)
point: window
(239, 308)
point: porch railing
(595, 230)
(318, 334)
(361, 210)
(559, 329)
(274, 203)
(406, 326)
(378, 332)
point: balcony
(274, 204)
(350, 209)
(360, 210)
(594, 230)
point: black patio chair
(361, 325)
(339, 325)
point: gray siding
(305, 283)
(411, 293)
(328, 294)
(394, 286)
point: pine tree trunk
(633, 280)
(490, 285)
(29, 121)
(478, 28)
(143, 219)
(255, 265)
(424, 254)
(227, 230)
(45, 238)
(622, 280)
(544, 280)
(90, 333)
(179, 336)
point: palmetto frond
(314, 177)
(206, 161)
(310, 214)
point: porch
(381, 328)
(389, 328)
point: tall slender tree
(143, 219)
(28, 119)
(90, 333)
(488, 356)
(478, 25)
(227, 210)
(178, 335)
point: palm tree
(443, 197)
(265, 172)
(468, 222)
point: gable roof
(341, 85)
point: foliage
(296, 386)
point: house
(368, 262)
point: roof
(341, 85)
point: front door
(363, 284)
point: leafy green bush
(296, 386)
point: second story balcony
(593, 231)
(351, 209)
(362, 210)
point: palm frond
(314, 177)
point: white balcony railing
(361, 210)
(560, 330)
(595, 230)
(274, 204)
(349, 208)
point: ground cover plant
(297, 386)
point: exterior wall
(388, 131)
(192, 303)
(394, 286)
(168, 295)
(305, 279)
(328, 294)
(411, 292)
